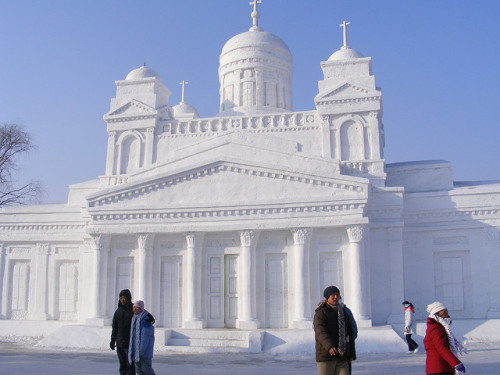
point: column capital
(357, 233)
(144, 240)
(300, 235)
(97, 241)
(42, 248)
(193, 238)
(395, 234)
(492, 234)
(247, 237)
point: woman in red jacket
(440, 344)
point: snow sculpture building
(240, 220)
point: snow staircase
(213, 341)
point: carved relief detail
(357, 233)
(300, 235)
(246, 238)
(42, 248)
(144, 240)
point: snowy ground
(21, 357)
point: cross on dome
(255, 15)
(344, 25)
(183, 95)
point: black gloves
(112, 344)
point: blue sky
(437, 63)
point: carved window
(130, 155)
(450, 283)
(352, 141)
(68, 290)
(20, 287)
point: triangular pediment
(133, 108)
(233, 171)
(346, 91)
(228, 184)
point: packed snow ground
(22, 357)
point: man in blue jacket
(142, 340)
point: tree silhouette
(14, 142)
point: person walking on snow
(142, 340)
(409, 325)
(441, 345)
(120, 332)
(334, 335)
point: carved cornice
(222, 167)
(357, 233)
(41, 228)
(322, 102)
(459, 214)
(236, 212)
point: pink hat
(139, 304)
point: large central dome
(255, 73)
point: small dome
(141, 73)
(345, 54)
(184, 110)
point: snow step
(208, 341)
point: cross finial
(255, 14)
(183, 95)
(344, 25)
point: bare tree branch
(14, 141)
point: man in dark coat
(120, 334)
(334, 335)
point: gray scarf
(341, 317)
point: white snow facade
(242, 219)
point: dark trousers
(412, 345)
(125, 367)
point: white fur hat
(435, 307)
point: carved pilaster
(40, 270)
(492, 240)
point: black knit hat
(126, 293)
(330, 290)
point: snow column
(144, 243)
(246, 281)
(359, 302)
(193, 281)
(395, 242)
(110, 156)
(98, 246)
(3, 283)
(492, 241)
(149, 157)
(41, 261)
(300, 243)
